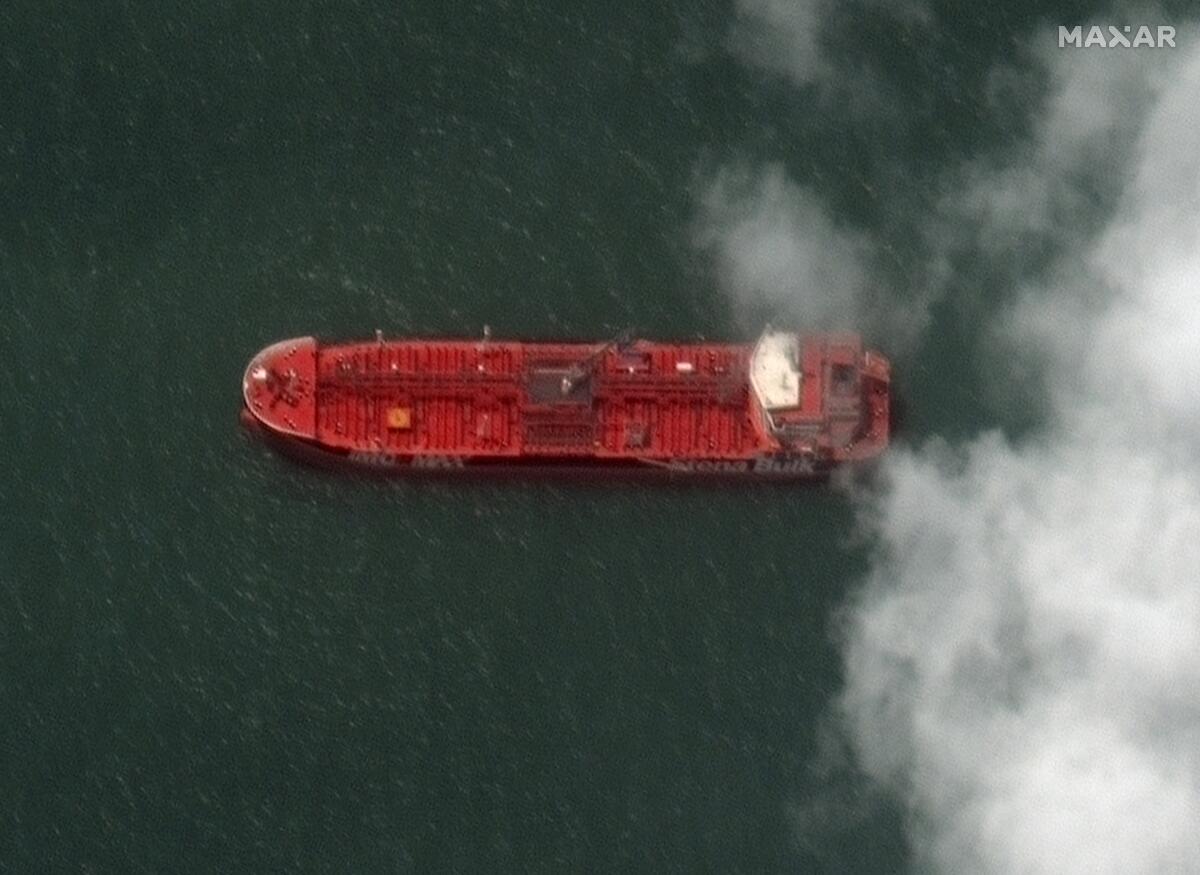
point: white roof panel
(775, 371)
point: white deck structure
(775, 370)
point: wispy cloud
(1052, 186)
(782, 258)
(776, 250)
(775, 246)
(788, 38)
(783, 37)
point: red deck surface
(486, 399)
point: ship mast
(582, 370)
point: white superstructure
(775, 370)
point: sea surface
(213, 660)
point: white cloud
(1024, 661)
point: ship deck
(819, 396)
(509, 399)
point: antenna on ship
(482, 348)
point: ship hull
(785, 409)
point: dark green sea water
(212, 660)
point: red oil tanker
(784, 407)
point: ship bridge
(808, 390)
